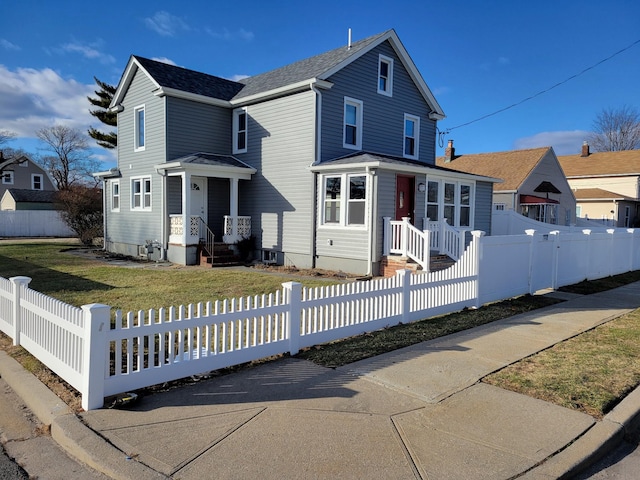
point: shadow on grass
(47, 280)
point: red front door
(405, 197)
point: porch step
(223, 256)
(389, 265)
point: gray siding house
(306, 159)
(26, 175)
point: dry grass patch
(590, 373)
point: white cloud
(7, 45)
(164, 60)
(166, 24)
(33, 99)
(88, 51)
(227, 35)
(563, 142)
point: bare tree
(615, 130)
(5, 136)
(71, 162)
(9, 156)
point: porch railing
(207, 237)
(445, 239)
(404, 239)
(236, 228)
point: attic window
(385, 75)
(7, 178)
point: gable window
(385, 75)
(141, 193)
(352, 124)
(344, 199)
(411, 136)
(240, 130)
(115, 195)
(36, 181)
(7, 178)
(139, 120)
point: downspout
(371, 174)
(317, 158)
(104, 214)
(163, 219)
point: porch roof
(390, 162)
(210, 165)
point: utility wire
(447, 131)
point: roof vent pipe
(349, 40)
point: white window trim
(119, 195)
(33, 181)
(416, 136)
(359, 107)
(389, 61)
(344, 201)
(457, 200)
(142, 194)
(10, 180)
(136, 145)
(236, 130)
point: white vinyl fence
(33, 223)
(101, 354)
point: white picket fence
(33, 223)
(101, 354)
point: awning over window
(533, 200)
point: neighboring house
(21, 199)
(606, 185)
(307, 159)
(27, 175)
(533, 183)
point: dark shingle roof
(183, 79)
(190, 81)
(32, 196)
(212, 159)
(313, 67)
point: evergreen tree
(104, 96)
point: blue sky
(476, 56)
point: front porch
(202, 193)
(436, 247)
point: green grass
(590, 373)
(77, 280)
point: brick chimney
(449, 152)
(585, 149)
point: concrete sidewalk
(419, 412)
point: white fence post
(404, 276)
(386, 236)
(531, 233)
(294, 293)
(555, 258)
(95, 353)
(611, 231)
(476, 242)
(586, 259)
(18, 283)
(404, 236)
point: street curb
(67, 430)
(605, 436)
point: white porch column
(233, 205)
(186, 207)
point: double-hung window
(344, 199)
(36, 181)
(115, 195)
(352, 124)
(385, 75)
(411, 136)
(7, 178)
(139, 128)
(141, 193)
(240, 130)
